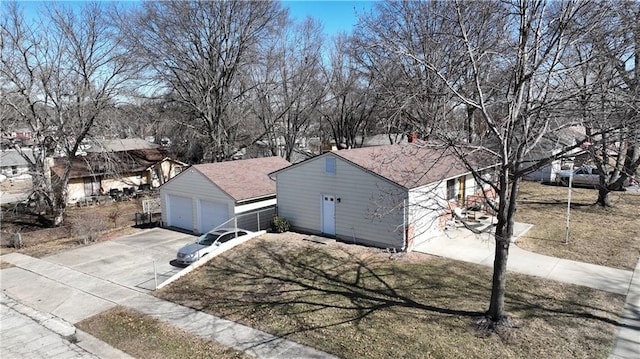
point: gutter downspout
(404, 225)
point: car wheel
(564, 181)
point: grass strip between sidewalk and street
(142, 336)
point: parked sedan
(586, 175)
(206, 243)
(589, 176)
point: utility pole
(566, 230)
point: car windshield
(208, 239)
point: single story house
(551, 145)
(393, 196)
(14, 165)
(98, 173)
(207, 195)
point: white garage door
(212, 214)
(180, 212)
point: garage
(205, 196)
(211, 215)
(180, 214)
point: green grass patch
(357, 302)
(142, 336)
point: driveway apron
(78, 284)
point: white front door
(329, 215)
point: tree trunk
(60, 203)
(603, 197)
(496, 306)
(504, 232)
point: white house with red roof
(393, 196)
(205, 196)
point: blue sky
(336, 16)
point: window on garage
(330, 165)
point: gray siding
(370, 209)
(195, 185)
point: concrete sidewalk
(627, 344)
(461, 244)
(73, 296)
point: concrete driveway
(72, 284)
(138, 261)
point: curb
(49, 321)
(627, 341)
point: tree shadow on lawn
(317, 289)
(25, 220)
(574, 305)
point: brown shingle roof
(121, 144)
(409, 165)
(116, 162)
(244, 179)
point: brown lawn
(604, 236)
(358, 302)
(144, 337)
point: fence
(258, 220)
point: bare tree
(59, 73)
(612, 84)
(412, 98)
(288, 88)
(194, 52)
(351, 99)
(511, 53)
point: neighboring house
(121, 145)
(393, 196)
(13, 164)
(20, 138)
(381, 139)
(207, 195)
(550, 145)
(98, 173)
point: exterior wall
(75, 190)
(124, 181)
(426, 205)
(194, 185)
(13, 171)
(471, 186)
(545, 174)
(368, 210)
(167, 170)
(474, 197)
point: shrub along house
(393, 196)
(208, 195)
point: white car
(206, 243)
(587, 175)
(582, 176)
